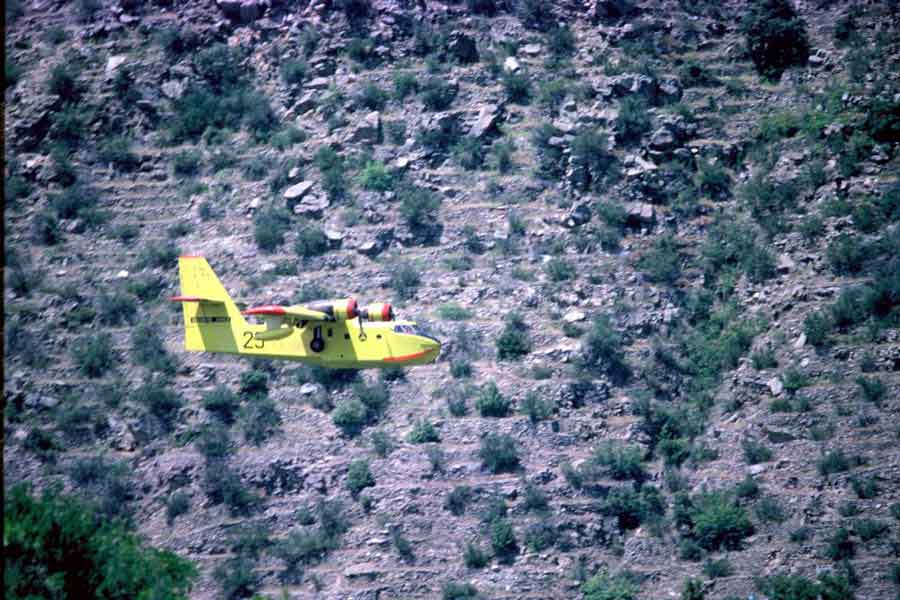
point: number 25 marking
(248, 339)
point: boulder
(578, 216)
(173, 89)
(296, 192)
(639, 214)
(510, 65)
(663, 140)
(312, 207)
(485, 121)
(243, 11)
(463, 48)
(367, 130)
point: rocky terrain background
(665, 275)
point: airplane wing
(289, 313)
(195, 299)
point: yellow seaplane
(328, 333)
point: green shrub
(474, 557)
(776, 37)
(631, 507)
(459, 591)
(517, 86)
(405, 83)
(423, 432)
(503, 540)
(458, 499)
(490, 402)
(713, 180)
(619, 462)
(498, 453)
(816, 328)
(453, 312)
(469, 153)
(222, 403)
(395, 131)
(591, 162)
(372, 97)
(551, 160)
(359, 477)
(559, 269)
(270, 225)
(161, 254)
(148, 350)
(662, 263)
(540, 536)
(552, 93)
(160, 401)
(213, 442)
(840, 546)
(717, 521)
(847, 254)
(769, 509)
(294, 71)
(63, 82)
(311, 241)
(382, 443)
(602, 350)
(437, 93)
(869, 529)
(42, 444)
(834, 461)
(187, 163)
(260, 419)
(872, 389)
(718, 568)
(405, 280)
(375, 176)
(94, 355)
(633, 120)
(514, 341)
(864, 488)
(769, 200)
(177, 504)
(419, 208)
(55, 545)
(536, 408)
(118, 152)
(605, 587)
(755, 452)
(350, 415)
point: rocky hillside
(659, 240)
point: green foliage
(57, 547)
(375, 176)
(776, 37)
(118, 152)
(769, 509)
(517, 86)
(42, 444)
(458, 499)
(559, 269)
(236, 577)
(847, 254)
(359, 477)
(469, 152)
(222, 403)
(796, 587)
(717, 521)
(260, 419)
(311, 241)
(769, 200)
(294, 71)
(503, 540)
(631, 507)
(159, 400)
(490, 402)
(474, 557)
(514, 341)
(692, 589)
(540, 536)
(593, 166)
(187, 163)
(840, 546)
(63, 82)
(816, 327)
(350, 415)
(94, 354)
(419, 208)
(605, 587)
(458, 591)
(535, 407)
(405, 280)
(423, 432)
(453, 312)
(148, 350)
(498, 453)
(437, 93)
(662, 263)
(864, 488)
(177, 504)
(602, 350)
(834, 461)
(162, 254)
(382, 443)
(405, 84)
(870, 529)
(633, 120)
(872, 389)
(269, 227)
(213, 441)
(755, 452)
(718, 568)
(372, 97)
(617, 461)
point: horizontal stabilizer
(194, 299)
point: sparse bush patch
(498, 453)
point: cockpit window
(404, 329)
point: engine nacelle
(377, 311)
(339, 310)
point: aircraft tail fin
(212, 321)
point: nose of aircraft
(430, 344)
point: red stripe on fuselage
(407, 357)
(264, 310)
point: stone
(800, 341)
(485, 121)
(640, 213)
(510, 65)
(574, 316)
(663, 139)
(775, 386)
(308, 389)
(173, 89)
(307, 102)
(296, 192)
(463, 48)
(114, 62)
(335, 238)
(244, 11)
(368, 129)
(312, 207)
(532, 49)
(123, 274)
(578, 216)
(318, 83)
(785, 264)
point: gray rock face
(485, 121)
(173, 89)
(578, 216)
(312, 207)
(611, 11)
(296, 192)
(463, 48)
(244, 11)
(368, 129)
